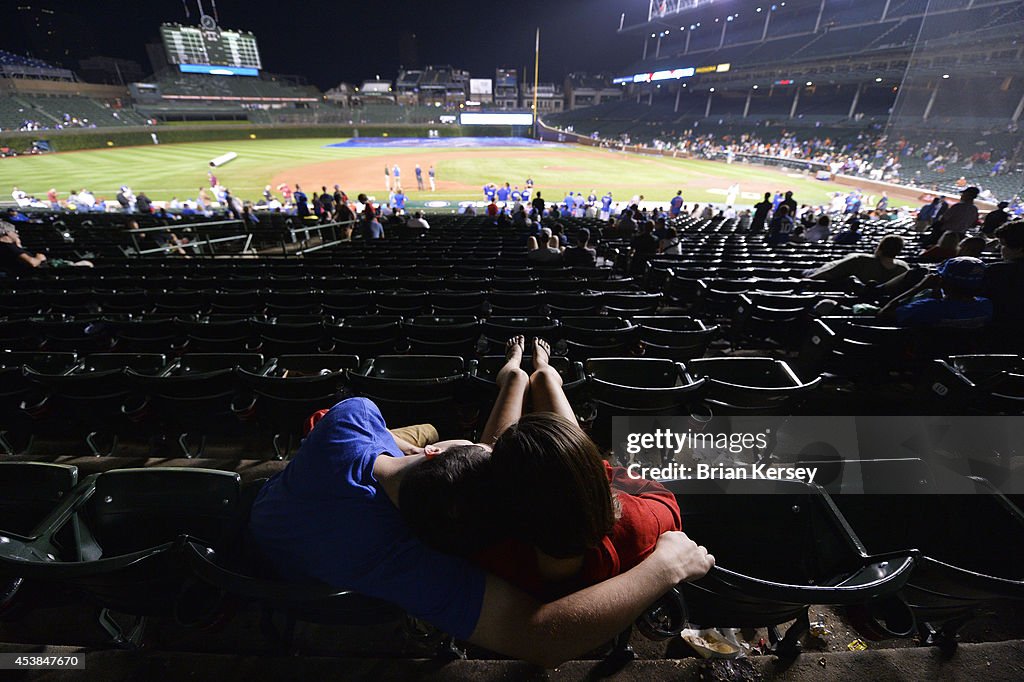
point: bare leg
(513, 384)
(546, 384)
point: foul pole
(536, 82)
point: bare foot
(513, 358)
(541, 353)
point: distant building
(434, 85)
(550, 98)
(506, 89)
(583, 90)
(376, 92)
(340, 94)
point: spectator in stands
(492, 209)
(819, 231)
(995, 219)
(850, 234)
(350, 467)
(13, 215)
(327, 204)
(142, 204)
(880, 267)
(961, 217)
(582, 254)
(538, 205)
(301, 202)
(599, 522)
(626, 226)
(643, 246)
(544, 251)
(761, 211)
(972, 246)
(958, 281)
(743, 224)
(670, 245)
(790, 202)
(781, 227)
(946, 248)
(928, 214)
(1004, 282)
(16, 260)
(370, 228)
(418, 222)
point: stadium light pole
(536, 79)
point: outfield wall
(102, 138)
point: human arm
(833, 271)
(888, 311)
(549, 634)
(35, 261)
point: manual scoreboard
(208, 49)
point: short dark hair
(1012, 234)
(554, 484)
(445, 501)
(890, 246)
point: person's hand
(683, 558)
(437, 448)
(41, 256)
(930, 281)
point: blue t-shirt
(489, 192)
(677, 205)
(325, 518)
(396, 172)
(503, 193)
(400, 201)
(606, 202)
(936, 312)
(517, 195)
(419, 172)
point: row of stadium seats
(165, 541)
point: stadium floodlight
(878, 80)
(945, 75)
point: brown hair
(554, 484)
(446, 501)
(890, 246)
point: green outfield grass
(166, 171)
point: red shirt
(648, 510)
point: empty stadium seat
(674, 337)
(442, 334)
(597, 336)
(976, 384)
(769, 578)
(196, 397)
(127, 558)
(294, 388)
(415, 389)
(751, 385)
(966, 550)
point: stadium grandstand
(364, 383)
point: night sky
(329, 41)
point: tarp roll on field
(223, 158)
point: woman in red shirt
(543, 511)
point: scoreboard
(208, 49)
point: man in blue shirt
(396, 173)
(333, 516)
(516, 194)
(958, 279)
(433, 179)
(503, 193)
(399, 204)
(490, 192)
(606, 206)
(371, 227)
(419, 178)
(676, 205)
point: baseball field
(177, 171)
